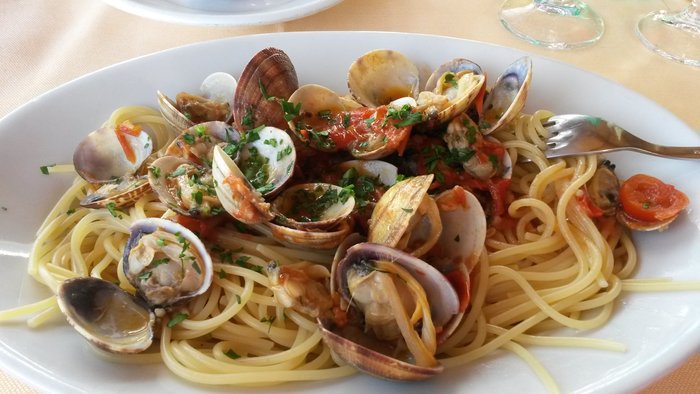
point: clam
(166, 262)
(507, 97)
(401, 300)
(185, 187)
(267, 159)
(313, 206)
(449, 91)
(382, 171)
(463, 134)
(123, 193)
(106, 315)
(308, 239)
(454, 66)
(329, 122)
(237, 196)
(604, 188)
(112, 152)
(268, 77)
(301, 286)
(319, 109)
(214, 103)
(406, 217)
(197, 142)
(461, 242)
(381, 76)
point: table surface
(45, 43)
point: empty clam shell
(378, 77)
(106, 315)
(269, 74)
(507, 97)
(102, 156)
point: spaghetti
(552, 267)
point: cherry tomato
(648, 199)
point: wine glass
(556, 24)
(673, 36)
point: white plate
(660, 330)
(222, 12)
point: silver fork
(573, 135)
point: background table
(44, 43)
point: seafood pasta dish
(258, 231)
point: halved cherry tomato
(122, 130)
(648, 199)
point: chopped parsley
(45, 169)
(232, 355)
(197, 197)
(177, 319)
(196, 268)
(158, 262)
(188, 138)
(68, 212)
(450, 79)
(271, 141)
(145, 275)
(248, 118)
(346, 120)
(405, 116)
(155, 171)
(363, 187)
(325, 115)
(181, 170)
(112, 208)
(284, 152)
(222, 274)
(407, 210)
(266, 188)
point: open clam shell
(313, 206)
(381, 76)
(404, 217)
(319, 106)
(454, 86)
(238, 197)
(121, 194)
(101, 157)
(268, 161)
(308, 239)
(366, 348)
(454, 66)
(184, 186)
(268, 76)
(384, 172)
(214, 103)
(106, 315)
(370, 361)
(463, 134)
(166, 262)
(507, 97)
(197, 142)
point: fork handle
(625, 140)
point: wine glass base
(671, 37)
(552, 24)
